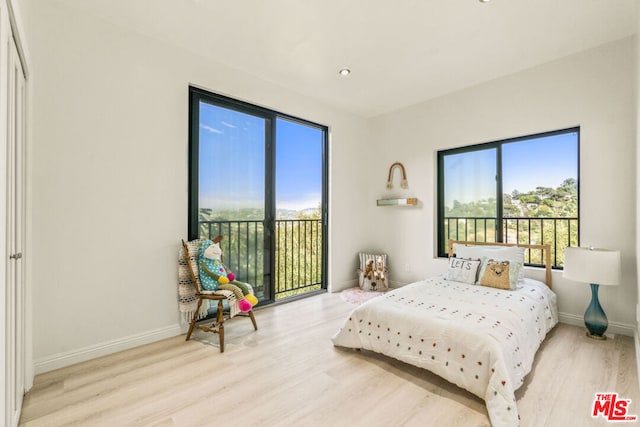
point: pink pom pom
(231, 277)
(245, 305)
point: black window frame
(442, 239)
(197, 94)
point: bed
(477, 336)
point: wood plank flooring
(289, 374)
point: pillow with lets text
(463, 270)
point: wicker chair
(190, 255)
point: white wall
(110, 123)
(594, 90)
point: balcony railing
(298, 256)
(298, 253)
(558, 233)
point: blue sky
(232, 161)
(470, 176)
(232, 164)
(543, 162)
(298, 165)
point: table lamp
(596, 267)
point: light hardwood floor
(289, 374)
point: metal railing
(298, 253)
(298, 264)
(558, 233)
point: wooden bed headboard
(546, 251)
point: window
(259, 179)
(519, 190)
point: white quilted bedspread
(480, 338)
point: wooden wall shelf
(411, 201)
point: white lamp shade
(592, 265)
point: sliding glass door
(258, 178)
(299, 209)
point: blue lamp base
(594, 318)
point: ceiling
(400, 52)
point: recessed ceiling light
(344, 72)
(484, 1)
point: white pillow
(511, 253)
(463, 270)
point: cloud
(229, 125)
(210, 129)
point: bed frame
(546, 251)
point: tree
(544, 215)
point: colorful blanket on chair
(187, 297)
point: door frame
(17, 346)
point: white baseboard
(72, 357)
(614, 327)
